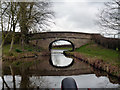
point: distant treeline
(111, 43)
(66, 46)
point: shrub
(17, 50)
(111, 43)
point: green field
(18, 49)
(97, 51)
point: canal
(49, 71)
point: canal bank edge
(96, 63)
(25, 55)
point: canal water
(59, 60)
(49, 71)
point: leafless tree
(4, 21)
(109, 18)
(14, 12)
(30, 16)
(9, 17)
(34, 17)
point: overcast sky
(76, 15)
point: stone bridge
(46, 39)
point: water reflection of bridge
(43, 67)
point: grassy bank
(18, 49)
(99, 52)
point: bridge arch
(50, 45)
(45, 40)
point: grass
(96, 51)
(18, 49)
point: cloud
(80, 0)
(76, 16)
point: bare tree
(14, 12)
(4, 21)
(9, 19)
(30, 16)
(34, 17)
(109, 18)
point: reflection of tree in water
(38, 81)
(26, 80)
(24, 77)
(4, 83)
(13, 79)
(0, 64)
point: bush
(9, 37)
(30, 50)
(111, 43)
(10, 54)
(17, 50)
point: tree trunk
(5, 83)
(13, 37)
(2, 43)
(3, 39)
(13, 75)
(24, 78)
(12, 42)
(22, 41)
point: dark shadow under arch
(50, 45)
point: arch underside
(50, 45)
